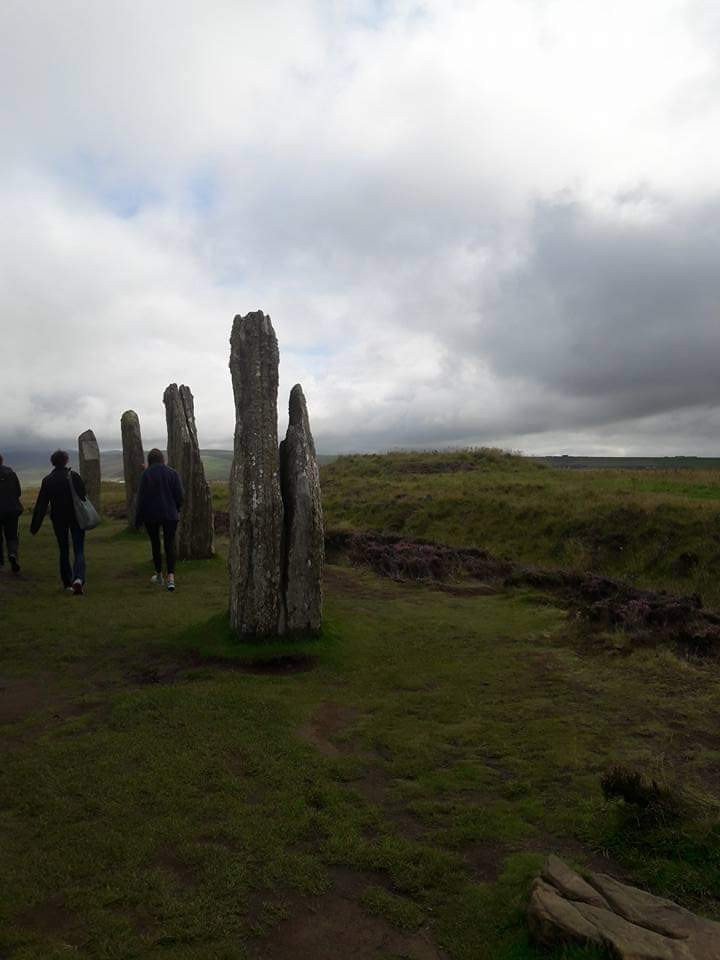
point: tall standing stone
(304, 538)
(195, 529)
(133, 460)
(256, 510)
(89, 464)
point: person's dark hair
(155, 456)
(59, 458)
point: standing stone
(304, 538)
(133, 460)
(256, 510)
(195, 529)
(89, 463)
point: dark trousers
(64, 532)
(9, 533)
(168, 530)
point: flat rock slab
(630, 923)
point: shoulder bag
(85, 513)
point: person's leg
(2, 538)
(170, 552)
(169, 544)
(11, 535)
(153, 530)
(61, 535)
(78, 541)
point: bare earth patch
(485, 859)
(328, 719)
(53, 920)
(168, 859)
(20, 698)
(334, 926)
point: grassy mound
(657, 528)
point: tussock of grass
(654, 802)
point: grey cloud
(365, 177)
(622, 311)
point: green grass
(166, 792)
(657, 528)
(160, 803)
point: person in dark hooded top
(159, 499)
(10, 510)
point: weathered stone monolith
(89, 463)
(133, 460)
(304, 540)
(256, 510)
(195, 529)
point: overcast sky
(482, 221)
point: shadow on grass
(127, 533)
(213, 641)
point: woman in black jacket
(10, 510)
(55, 491)
(159, 499)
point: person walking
(55, 492)
(10, 510)
(159, 499)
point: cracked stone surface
(133, 460)
(630, 923)
(256, 508)
(89, 465)
(304, 537)
(195, 529)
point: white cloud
(370, 175)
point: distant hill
(31, 466)
(632, 463)
(653, 523)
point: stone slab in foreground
(630, 923)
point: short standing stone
(256, 510)
(304, 540)
(195, 529)
(133, 460)
(89, 463)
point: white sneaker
(157, 578)
(171, 585)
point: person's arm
(40, 510)
(18, 492)
(140, 502)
